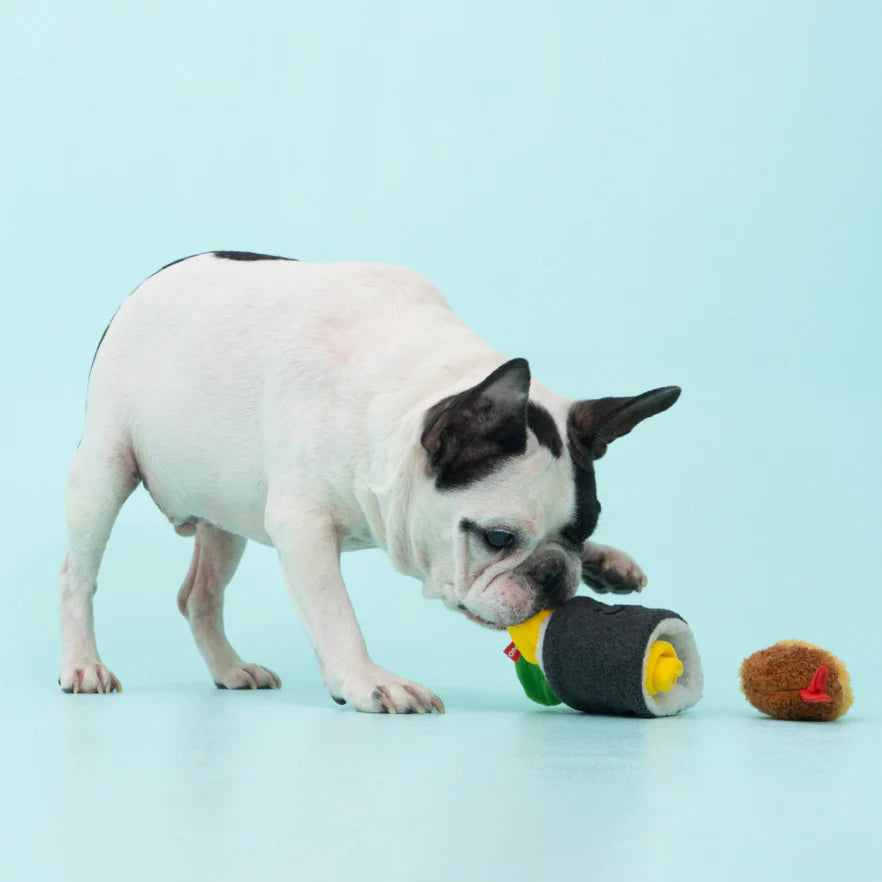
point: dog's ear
(592, 425)
(467, 434)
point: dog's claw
(388, 703)
(391, 695)
(89, 677)
(249, 676)
(417, 708)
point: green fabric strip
(534, 683)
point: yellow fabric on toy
(526, 635)
(662, 668)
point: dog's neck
(384, 487)
(394, 470)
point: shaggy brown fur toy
(793, 680)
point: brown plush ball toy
(793, 680)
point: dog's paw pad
(249, 676)
(88, 676)
(611, 570)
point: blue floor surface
(197, 784)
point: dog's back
(205, 362)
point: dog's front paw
(88, 675)
(375, 690)
(607, 569)
(248, 676)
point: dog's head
(509, 497)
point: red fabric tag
(512, 652)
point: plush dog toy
(793, 680)
(607, 659)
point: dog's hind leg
(216, 554)
(101, 477)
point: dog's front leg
(309, 551)
(607, 569)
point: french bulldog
(321, 408)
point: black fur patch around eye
(509, 441)
(468, 435)
(587, 506)
(541, 422)
(248, 255)
(484, 455)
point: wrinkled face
(511, 544)
(508, 497)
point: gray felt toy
(607, 659)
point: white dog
(323, 408)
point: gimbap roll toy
(608, 659)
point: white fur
(283, 402)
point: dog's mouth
(495, 626)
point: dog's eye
(498, 538)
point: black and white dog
(323, 408)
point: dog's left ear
(592, 425)
(465, 435)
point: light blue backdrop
(629, 195)
(629, 198)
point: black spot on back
(541, 422)
(228, 255)
(248, 255)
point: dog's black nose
(550, 576)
